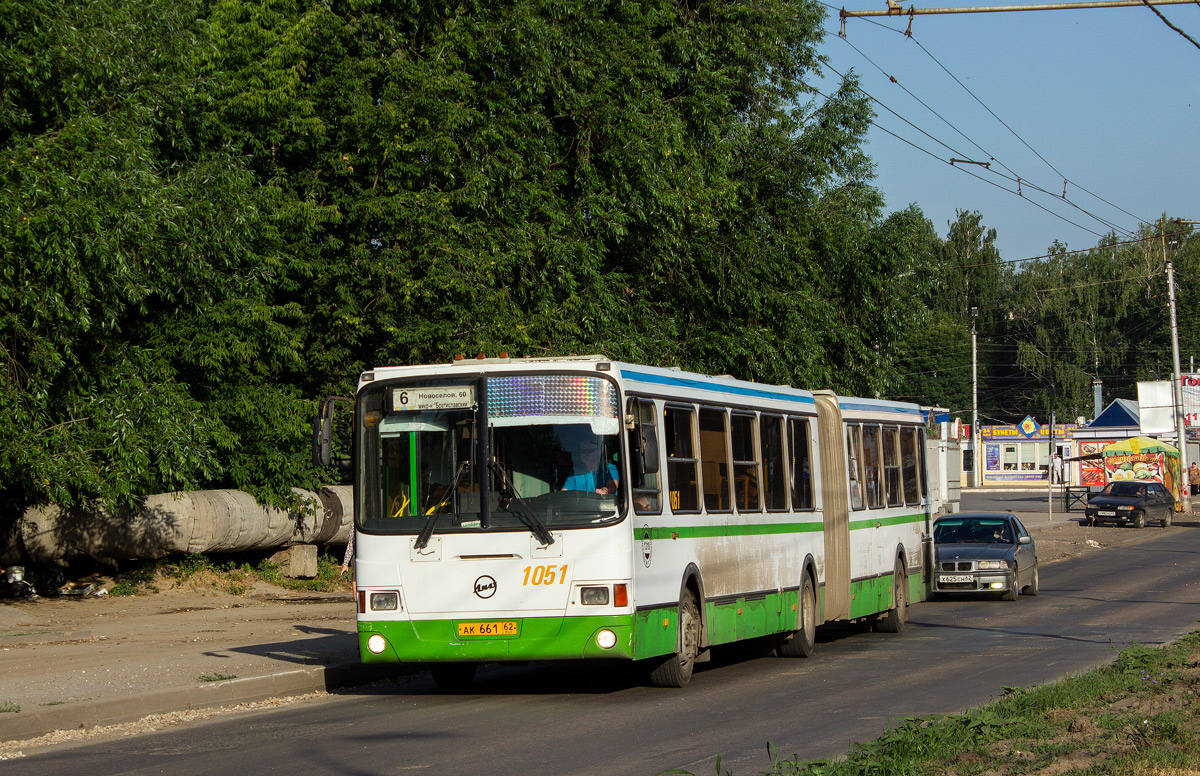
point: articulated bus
(586, 509)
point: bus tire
(894, 619)
(675, 670)
(453, 677)
(800, 643)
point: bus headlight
(387, 601)
(593, 596)
(606, 639)
(376, 643)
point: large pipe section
(201, 521)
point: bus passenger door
(836, 507)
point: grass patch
(9, 707)
(235, 575)
(215, 677)
(1139, 716)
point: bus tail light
(620, 595)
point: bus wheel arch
(894, 619)
(675, 669)
(802, 641)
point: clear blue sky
(1109, 97)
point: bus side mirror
(322, 434)
(648, 444)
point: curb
(87, 714)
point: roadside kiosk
(1144, 459)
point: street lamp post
(1177, 387)
(975, 472)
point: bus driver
(589, 475)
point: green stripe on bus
(881, 521)
(761, 529)
(709, 531)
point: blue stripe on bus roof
(684, 382)
(880, 407)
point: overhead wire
(948, 161)
(1168, 23)
(1015, 177)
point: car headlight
(1126, 508)
(993, 564)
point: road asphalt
(80, 662)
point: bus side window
(853, 464)
(872, 468)
(773, 462)
(714, 459)
(908, 463)
(682, 480)
(801, 458)
(891, 466)
(746, 480)
(647, 493)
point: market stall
(1146, 459)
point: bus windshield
(551, 457)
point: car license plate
(951, 579)
(503, 629)
(1103, 513)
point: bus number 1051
(545, 575)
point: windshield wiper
(523, 511)
(434, 513)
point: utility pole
(976, 473)
(1177, 390)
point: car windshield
(983, 530)
(1125, 489)
(554, 454)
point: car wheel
(1139, 520)
(1014, 587)
(1032, 587)
(1166, 521)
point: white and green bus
(586, 509)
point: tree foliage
(220, 211)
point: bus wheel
(800, 643)
(893, 621)
(676, 670)
(453, 677)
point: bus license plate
(950, 579)
(502, 629)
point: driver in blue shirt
(590, 475)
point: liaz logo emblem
(485, 587)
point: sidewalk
(82, 662)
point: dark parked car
(980, 552)
(1127, 502)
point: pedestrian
(349, 556)
(1194, 479)
(1056, 468)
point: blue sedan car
(984, 552)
